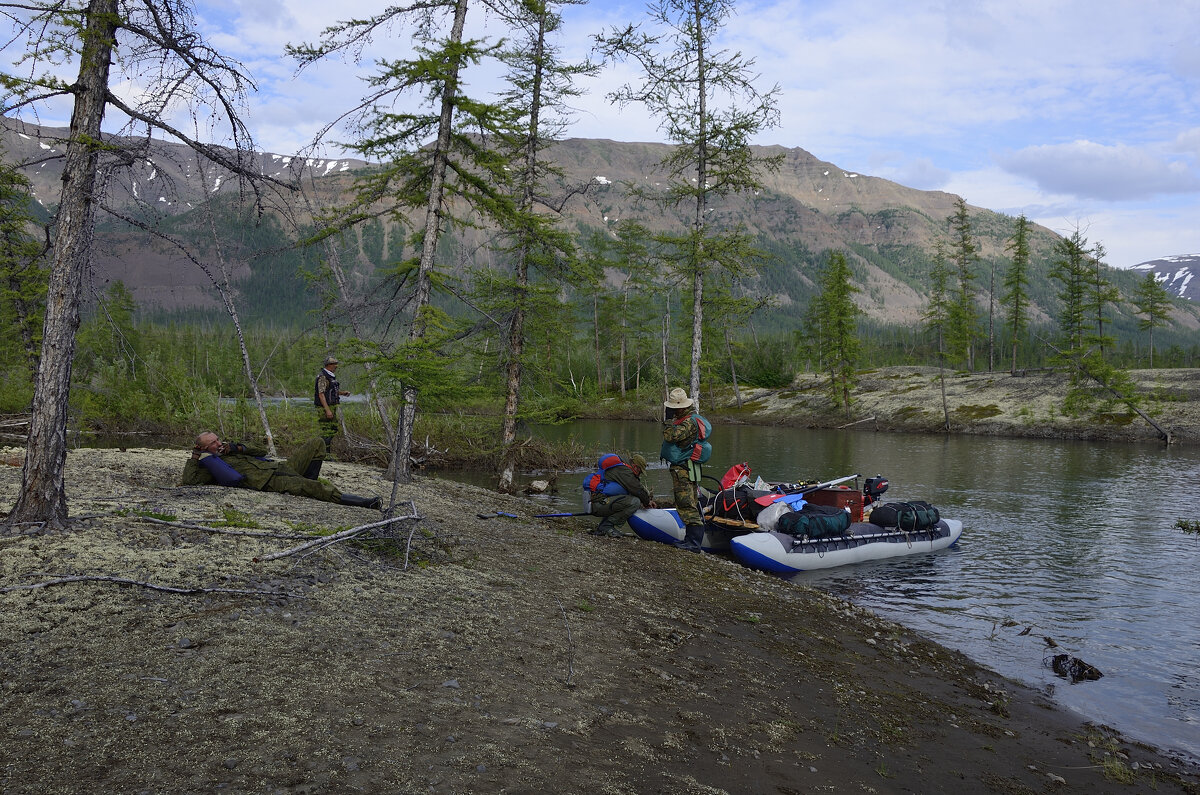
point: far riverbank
(1030, 404)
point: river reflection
(1074, 540)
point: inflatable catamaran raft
(788, 529)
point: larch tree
(1084, 295)
(23, 277)
(1153, 303)
(540, 86)
(1015, 301)
(834, 330)
(709, 108)
(1071, 269)
(151, 44)
(1101, 294)
(938, 315)
(439, 159)
(964, 253)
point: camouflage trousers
(329, 426)
(615, 510)
(289, 479)
(685, 496)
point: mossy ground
(528, 657)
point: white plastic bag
(768, 518)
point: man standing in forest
(327, 394)
(685, 447)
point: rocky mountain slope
(807, 207)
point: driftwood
(221, 530)
(1074, 668)
(570, 646)
(150, 585)
(353, 532)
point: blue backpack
(597, 483)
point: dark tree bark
(43, 495)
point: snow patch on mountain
(1176, 273)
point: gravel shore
(511, 655)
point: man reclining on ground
(237, 464)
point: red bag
(738, 473)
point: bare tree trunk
(666, 334)
(992, 321)
(516, 349)
(732, 369)
(431, 230)
(43, 495)
(701, 205)
(401, 469)
(596, 341)
(624, 332)
(226, 290)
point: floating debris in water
(1188, 526)
(1074, 668)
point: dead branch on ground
(150, 585)
(353, 532)
(221, 530)
(570, 646)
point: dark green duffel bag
(815, 521)
(910, 517)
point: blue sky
(1079, 113)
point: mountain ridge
(1175, 273)
(804, 209)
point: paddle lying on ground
(553, 515)
(497, 513)
(767, 499)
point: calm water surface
(1074, 540)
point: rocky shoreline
(510, 655)
(1029, 404)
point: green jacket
(252, 464)
(623, 476)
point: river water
(1073, 541)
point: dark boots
(314, 469)
(361, 502)
(693, 534)
(606, 529)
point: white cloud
(918, 172)
(1096, 171)
(1072, 109)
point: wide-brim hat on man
(637, 462)
(678, 399)
(331, 360)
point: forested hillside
(806, 209)
(175, 230)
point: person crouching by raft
(615, 492)
(247, 466)
(685, 447)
